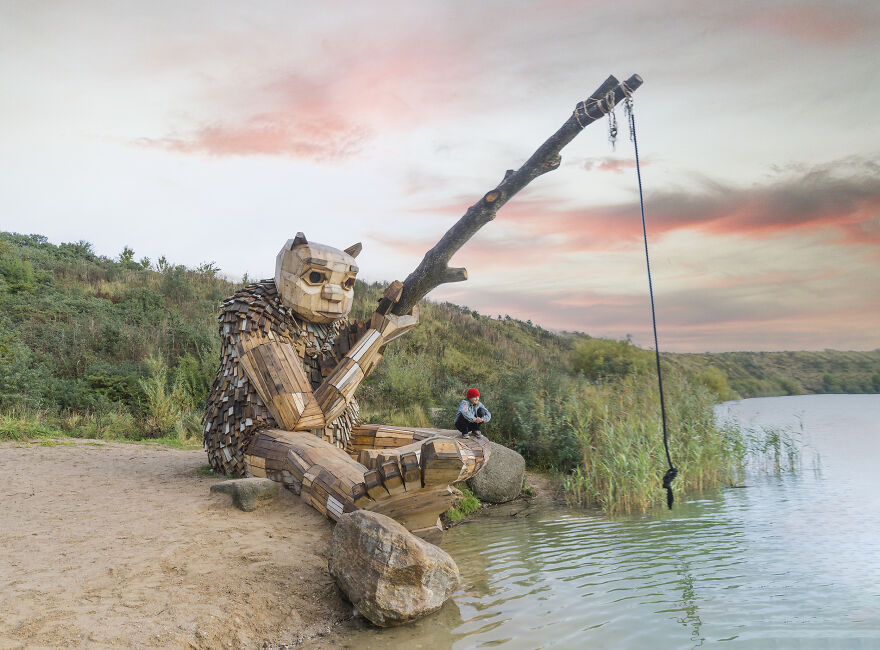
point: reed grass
(619, 432)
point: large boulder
(248, 493)
(501, 479)
(390, 575)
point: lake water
(792, 560)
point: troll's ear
(354, 250)
(299, 240)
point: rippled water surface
(789, 561)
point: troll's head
(316, 281)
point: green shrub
(605, 358)
(468, 505)
(166, 402)
(716, 381)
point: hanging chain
(612, 120)
(628, 110)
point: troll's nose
(332, 292)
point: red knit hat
(472, 392)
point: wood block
(296, 464)
(391, 478)
(432, 534)
(423, 518)
(440, 449)
(346, 377)
(439, 499)
(312, 417)
(359, 495)
(369, 458)
(440, 476)
(325, 395)
(334, 508)
(412, 475)
(370, 341)
(373, 483)
(441, 461)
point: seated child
(471, 413)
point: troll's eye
(314, 277)
(348, 283)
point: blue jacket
(471, 412)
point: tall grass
(618, 429)
(169, 405)
(773, 449)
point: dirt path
(107, 544)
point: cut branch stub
(433, 270)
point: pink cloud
(269, 135)
(348, 95)
(817, 24)
(842, 197)
(611, 164)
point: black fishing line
(672, 472)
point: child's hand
(479, 420)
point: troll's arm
(276, 373)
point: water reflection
(793, 560)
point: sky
(214, 131)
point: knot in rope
(668, 478)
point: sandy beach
(122, 545)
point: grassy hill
(759, 374)
(121, 348)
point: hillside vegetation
(762, 374)
(127, 348)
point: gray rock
(248, 493)
(390, 575)
(501, 479)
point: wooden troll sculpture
(283, 403)
(283, 406)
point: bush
(604, 358)
(166, 402)
(716, 381)
(468, 505)
(18, 274)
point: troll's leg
(403, 473)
